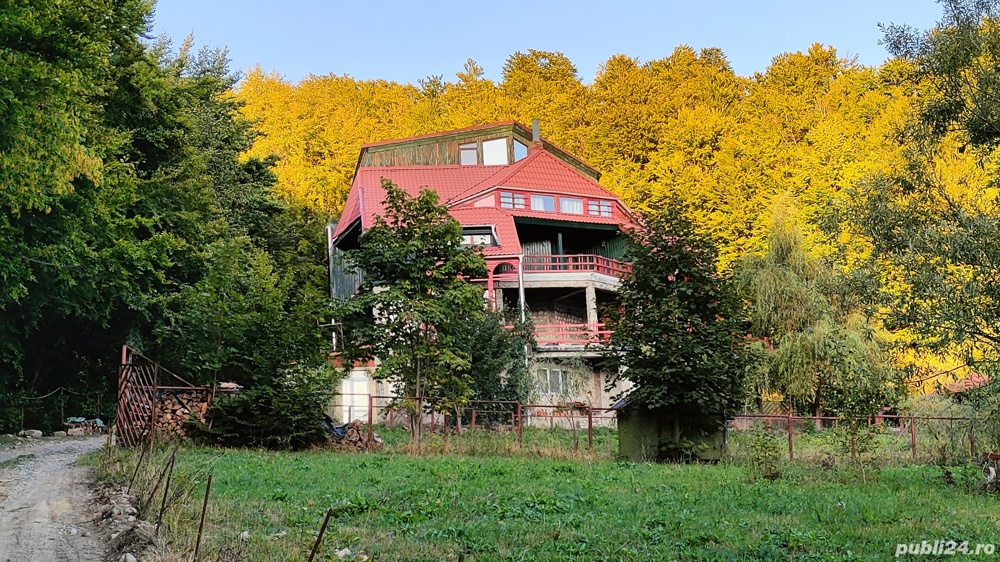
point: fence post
(201, 525)
(913, 437)
(590, 429)
(370, 416)
(520, 433)
(447, 433)
(972, 437)
(156, 403)
(791, 446)
(473, 426)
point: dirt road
(47, 504)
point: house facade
(551, 235)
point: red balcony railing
(575, 263)
(570, 334)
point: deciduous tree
(677, 335)
(416, 304)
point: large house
(551, 235)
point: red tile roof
(975, 380)
(457, 185)
(539, 171)
(567, 217)
(366, 197)
(507, 241)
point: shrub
(283, 414)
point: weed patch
(16, 461)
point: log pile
(175, 408)
(356, 437)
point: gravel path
(47, 503)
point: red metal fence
(139, 388)
(550, 429)
(527, 427)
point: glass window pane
(542, 376)
(520, 150)
(599, 208)
(543, 203)
(568, 205)
(468, 154)
(555, 381)
(495, 152)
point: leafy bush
(284, 414)
(765, 454)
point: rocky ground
(48, 506)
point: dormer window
(520, 150)
(478, 236)
(468, 154)
(599, 208)
(543, 203)
(512, 200)
(495, 152)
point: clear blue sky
(408, 40)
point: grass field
(398, 507)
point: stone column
(591, 305)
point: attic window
(468, 154)
(520, 150)
(478, 236)
(571, 205)
(543, 203)
(599, 208)
(495, 152)
(512, 200)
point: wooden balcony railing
(570, 263)
(570, 334)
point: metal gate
(139, 389)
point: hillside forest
(156, 197)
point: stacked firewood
(175, 408)
(356, 437)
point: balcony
(575, 263)
(548, 336)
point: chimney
(536, 137)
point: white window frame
(466, 148)
(599, 208)
(495, 152)
(517, 200)
(541, 199)
(544, 376)
(576, 201)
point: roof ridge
(443, 133)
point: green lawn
(398, 507)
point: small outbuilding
(668, 434)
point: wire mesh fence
(886, 439)
(581, 430)
(488, 427)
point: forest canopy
(151, 196)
